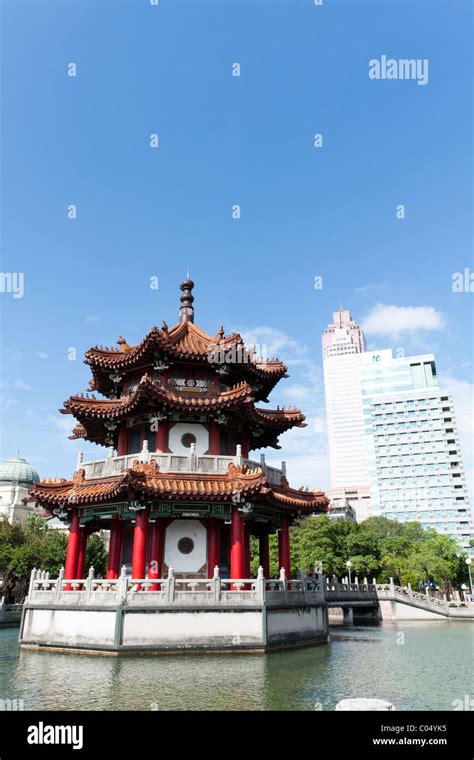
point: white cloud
(16, 384)
(8, 402)
(42, 355)
(272, 343)
(22, 385)
(371, 286)
(92, 318)
(393, 321)
(63, 423)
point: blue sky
(224, 140)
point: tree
(96, 555)
(33, 544)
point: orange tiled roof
(183, 342)
(93, 414)
(146, 481)
(148, 390)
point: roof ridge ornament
(186, 310)
(123, 344)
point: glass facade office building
(413, 452)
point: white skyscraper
(343, 343)
(393, 441)
(414, 457)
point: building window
(134, 441)
(186, 440)
(136, 438)
(185, 545)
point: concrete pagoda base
(118, 617)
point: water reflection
(426, 667)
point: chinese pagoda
(179, 414)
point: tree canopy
(32, 543)
(377, 547)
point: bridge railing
(429, 600)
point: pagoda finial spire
(186, 311)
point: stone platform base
(171, 630)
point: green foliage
(377, 547)
(96, 555)
(33, 544)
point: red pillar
(81, 558)
(284, 547)
(245, 444)
(236, 544)
(246, 551)
(162, 437)
(157, 549)
(140, 533)
(115, 548)
(214, 438)
(264, 553)
(72, 553)
(122, 441)
(213, 545)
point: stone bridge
(402, 603)
(371, 602)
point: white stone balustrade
(202, 463)
(171, 590)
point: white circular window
(183, 434)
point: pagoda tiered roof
(144, 481)
(96, 415)
(185, 342)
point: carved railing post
(171, 586)
(238, 459)
(88, 584)
(122, 586)
(32, 583)
(192, 458)
(144, 453)
(216, 581)
(260, 585)
(284, 583)
(59, 583)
